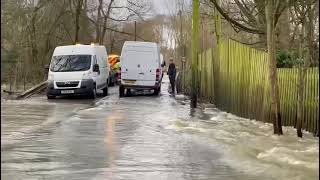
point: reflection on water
(111, 142)
(145, 137)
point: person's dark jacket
(172, 70)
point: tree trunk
(33, 44)
(305, 51)
(261, 19)
(300, 90)
(10, 79)
(98, 25)
(310, 35)
(33, 40)
(217, 27)
(106, 16)
(284, 30)
(112, 43)
(274, 89)
(78, 13)
(16, 74)
(195, 39)
(24, 77)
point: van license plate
(67, 91)
(129, 82)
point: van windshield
(65, 63)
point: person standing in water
(172, 74)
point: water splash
(250, 145)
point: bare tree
(33, 29)
(271, 10)
(103, 13)
(305, 11)
(78, 7)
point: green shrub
(285, 59)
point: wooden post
(10, 79)
(16, 76)
(194, 61)
(135, 30)
(300, 88)
(181, 37)
(217, 24)
(24, 76)
(183, 74)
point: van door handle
(141, 73)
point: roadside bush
(285, 59)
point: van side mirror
(96, 68)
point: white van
(140, 67)
(78, 70)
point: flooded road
(145, 137)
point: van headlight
(50, 77)
(86, 75)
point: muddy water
(145, 137)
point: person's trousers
(172, 83)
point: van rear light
(157, 74)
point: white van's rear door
(146, 66)
(129, 69)
(138, 65)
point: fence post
(183, 59)
(195, 31)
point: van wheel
(121, 91)
(128, 92)
(105, 91)
(93, 94)
(51, 97)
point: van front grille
(67, 84)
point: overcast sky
(161, 6)
(166, 6)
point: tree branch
(247, 29)
(121, 20)
(122, 32)
(246, 12)
(134, 4)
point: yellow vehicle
(113, 60)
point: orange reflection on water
(110, 140)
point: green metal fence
(235, 78)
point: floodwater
(145, 137)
